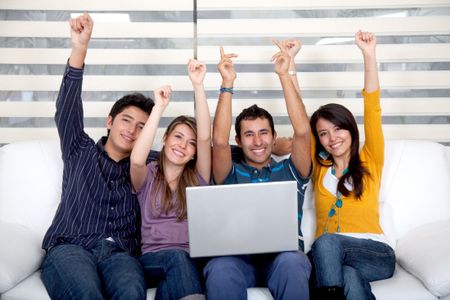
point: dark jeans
(103, 272)
(286, 275)
(173, 272)
(350, 263)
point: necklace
(336, 205)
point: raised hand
(226, 67)
(282, 58)
(81, 30)
(162, 96)
(196, 71)
(293, 47)
(366, 41)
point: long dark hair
(187, 178)
(340, 116)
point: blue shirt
(96, 200)
(276, 171)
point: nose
(332, 136)
(131, 128)
(257, 140)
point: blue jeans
(103, 272)
(286, 275)
(350, 263)
(173, 272)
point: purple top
(160, 231)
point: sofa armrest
(424, 252)
(20, 254)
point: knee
(325, 244)
(179, 257)
(222, 269)
(292, 262)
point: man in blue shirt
(94, 235)
(286, 274)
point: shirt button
(255, 171)
(112, 208)
(110, 223)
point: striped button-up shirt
(96, 201)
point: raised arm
(197, 71)
(143, 145)
(80, 31)
(293, 47)
(222, 162)
(301, 144)
(366, 41)
(69, 108)
(374, 140)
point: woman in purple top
(161, 190)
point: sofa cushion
(424, 252)
(415, 174)
(30, 183)
(402, 285)
(20, 254)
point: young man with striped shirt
(91, 243)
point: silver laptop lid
(242, 218)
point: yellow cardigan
(356, 215)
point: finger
(72, 24)
(275, 56)
(231, 55)
(200, 65)
(222, 53)
(78, 24)
(276, 43)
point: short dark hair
(136, 99)
(252, 113)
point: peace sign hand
(282, 58)
(226, 67)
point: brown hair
(188, 176)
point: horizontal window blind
(138, 46)
(135, 47)
(413, 54)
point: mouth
(335, 145)
(127, 138)
(259, 152)
(178, 153)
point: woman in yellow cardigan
(350, 249)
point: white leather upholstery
(415, 194)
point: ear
(274, 138)
(238, 141)
(109, 122)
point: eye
(192, 143)
(322, 134)
(178, 136)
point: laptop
(246, 218)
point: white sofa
(414, 208)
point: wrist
(226, 90)
(196, 85)
(227, 83)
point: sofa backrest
(415, 187)
(30, 183)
